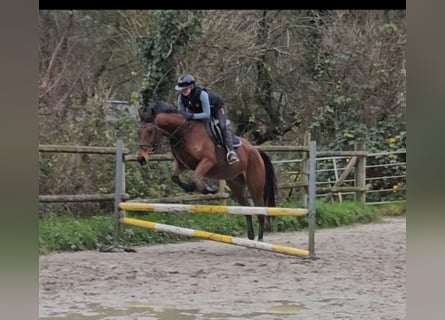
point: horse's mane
(156, 107)
(162, 107)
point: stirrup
(232, 157)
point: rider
(198, 103)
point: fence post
(119, 185)
(360, 173)
(304, 173)
(311, 191)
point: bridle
(145, 147)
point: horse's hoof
(142, 161)
(191, 187)
(211, 190)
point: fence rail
(358, 170)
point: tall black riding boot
(232, 157)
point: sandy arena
(359, 273)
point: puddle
(138, 310)
(286, 308)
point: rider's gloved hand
(188, 115)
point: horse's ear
(141, 114)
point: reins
(171, 136)
(173, 140)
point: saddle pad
(214, 133)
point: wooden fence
(357, 165)
(389, 186)
(79, 150)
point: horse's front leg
(177, 170)
(196, 179)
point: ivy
(157, 50)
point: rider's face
(186, 91)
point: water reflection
(138, 310)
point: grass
(62, 233)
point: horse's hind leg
(257, 197)
(238, 193)
(261, 218)
(261, 227)
(255, 182)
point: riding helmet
(185, 81)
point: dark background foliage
(339, 74)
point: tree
(157, 49)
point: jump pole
(310, 212)
(241, 210)
(216, 237)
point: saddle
(214, 132)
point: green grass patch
(62, 233)
(345, 213)
(392, 209)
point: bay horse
(193, 149)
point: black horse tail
(270, 188)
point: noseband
(144, 147)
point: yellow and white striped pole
(215, 237)
(242, 210)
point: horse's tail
(270, 188)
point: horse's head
(149, 136)
(151, 130)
